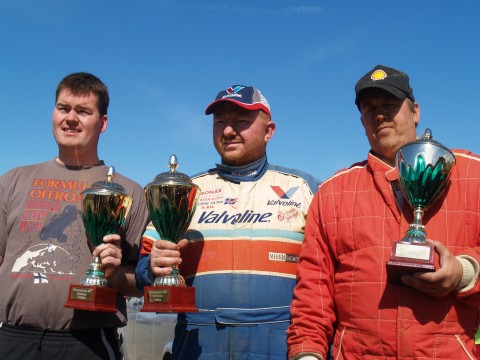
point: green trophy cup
(424, 168)
(105, 207)
(171, 200)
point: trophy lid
(427, 138)
(106, 187)
(430, 149)
(172, 177)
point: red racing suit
(351, 224)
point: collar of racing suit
(249, 172)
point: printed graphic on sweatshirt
(46, 197)
(51, 216)
(40, 261)
(43, 258)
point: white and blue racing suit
(244, 244)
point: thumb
(182, 243)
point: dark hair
(82, 83)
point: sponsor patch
(273, 256)
(209, 198)
(284, 194)
(233, 92)
(287, 215)
(240, 174)
(378, 75)
(284, 197)
(235, 89)
(248, 216)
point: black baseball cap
(392, 80)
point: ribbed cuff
(470, 274)
(306, 356)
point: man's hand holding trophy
(105, 207)
(171, 200)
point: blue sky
(164, 62)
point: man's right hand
(164, 255)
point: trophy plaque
(171, 200)
(424, 168)
(105, 207)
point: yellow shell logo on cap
(378, 75)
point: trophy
(105, 207)
(171, 200)
(424, 168)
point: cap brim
(257, 106)
(391, 89)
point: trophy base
(92, 298)
(408, 258)
(169, 299)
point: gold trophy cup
(171, 200)
(105, 207)
(424, 168)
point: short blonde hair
(265, 116)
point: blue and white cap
(247, 97)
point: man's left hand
(109, 253)
(442, 282)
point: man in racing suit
(242, 247)
(352, 222)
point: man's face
(389, 123)
(240, 136)
(77, 124)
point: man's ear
(104, 121)
(270, 130)
(416, 114)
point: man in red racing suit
(353, 220)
